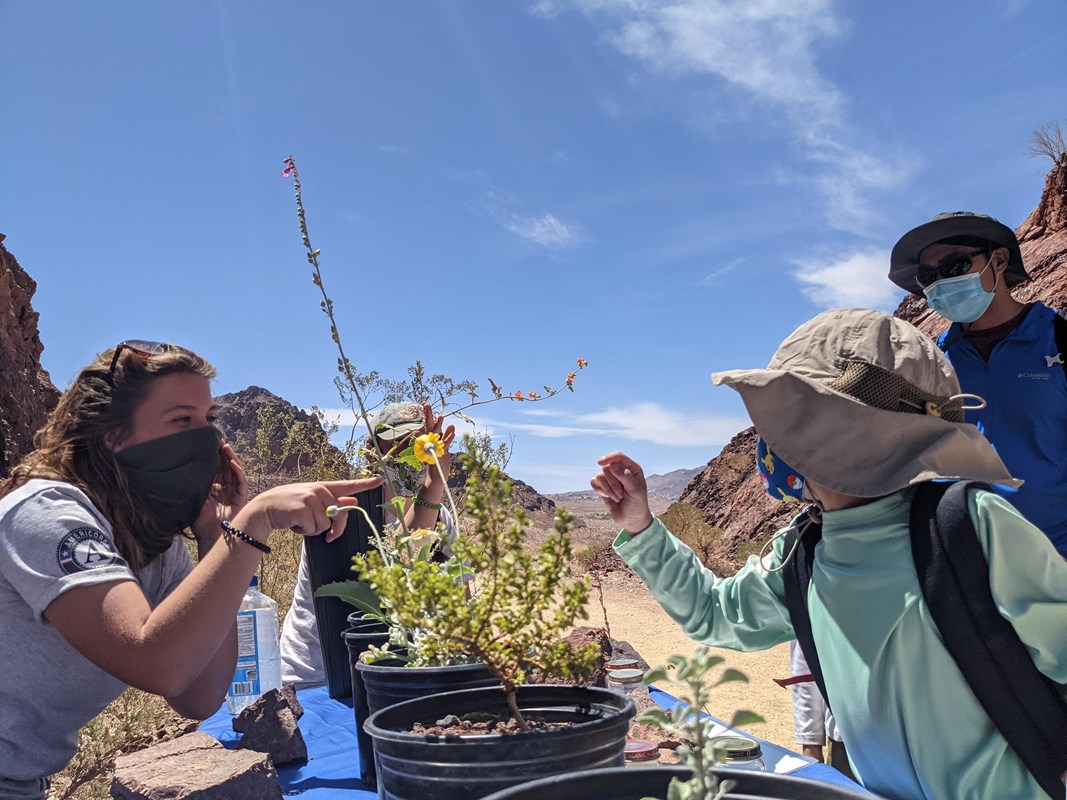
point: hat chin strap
(800, 524)
(932, 409)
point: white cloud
(640, 422)
(713, 277)
(856, 279)
(344, 417)
(544, 229)
(651, 422)
(765, 50)
(546, 9)
(395, 149)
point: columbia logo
(1034, 376)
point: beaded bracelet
(244, 537)
(420, 502)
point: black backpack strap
(796, 577)
(1059, 333)
(1026, 707)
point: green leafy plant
(688, 722)
(512, 616)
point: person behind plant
(814, 726)
(865, 407)
(395, 427)
(966, 265)
(98, 591)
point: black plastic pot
(415, 766)
(356, 617)
(358, 639)
(330, 562)
(634, 783)
(388, 682)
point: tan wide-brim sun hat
(865, 404)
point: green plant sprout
(688, 722)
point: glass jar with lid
(626, 680)
(741, 752)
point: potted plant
(511, 617)
(701, 775)
(362, 392)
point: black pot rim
(392, 664)
(541, 786)
(609, 699)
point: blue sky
(498, 188)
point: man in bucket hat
(864, 407)
(965, 265)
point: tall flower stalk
(348, 371)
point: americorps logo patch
(86, 548)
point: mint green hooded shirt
(914, 729)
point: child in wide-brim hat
(863, 407)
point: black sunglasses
(952, 267)
(140, 347)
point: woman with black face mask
(97, 588)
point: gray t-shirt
(300, 647)
(53, 539)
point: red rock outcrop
(26, 391)
(729, 491)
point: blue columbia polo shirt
(1026, 417)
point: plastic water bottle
(259, 664)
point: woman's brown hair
(72, 446)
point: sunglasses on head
(952, 267)
(140, 348)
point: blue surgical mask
(960, 299)
(781, 481)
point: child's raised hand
(621, 485)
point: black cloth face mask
(174, 473)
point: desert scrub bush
(134, 721)
(687, 523)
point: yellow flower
(422, 538)
(429, 448)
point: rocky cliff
(26, 391)
(728, 490)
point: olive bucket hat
(865, 404)
(397, 420)
(904, 260)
